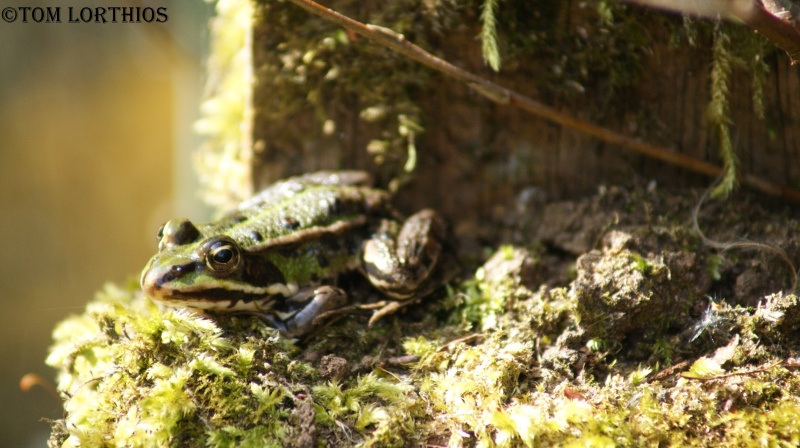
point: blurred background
(95, 153)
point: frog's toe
(326, 299)
(389, 308)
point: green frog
(277, 254)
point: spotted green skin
(271, 254)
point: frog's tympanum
(274, 255)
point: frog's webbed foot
(314, 308)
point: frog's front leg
(399, 261)
(302, 310)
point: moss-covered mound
(616, 326)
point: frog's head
(208, 272)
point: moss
(619, 292)
(734, 48)
(381, 406)
(319, 77)
(223, 162)
(489, 34)
(630, 352)
(135, 375)
(309, 71)
(509, 357)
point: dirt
(639, 275)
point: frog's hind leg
(401, 261)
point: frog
(278, 254)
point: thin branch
(732, 374)
(669, 371)
(777, 20)
(465, 340)
(502, 95)
(785, 35)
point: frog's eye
(223, 256)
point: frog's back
(299, 209)
(290, 187)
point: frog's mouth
(220, 299)
(166, 286)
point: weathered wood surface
(475, 155)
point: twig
(397, 378)
(732, 374)
(502, 95)
(400, 360)
(777, 20)
(785, 34)
(669, 371)
(465, 340)
(684, 364)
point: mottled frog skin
(276, 254)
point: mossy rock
(506, 357)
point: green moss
(311, 75)
(734, 48)
(223, 162)
(614, 357)
(621, 292)
(135, 375)
(715, 264)
(371, 403)
(489, 34)
(718, 113)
